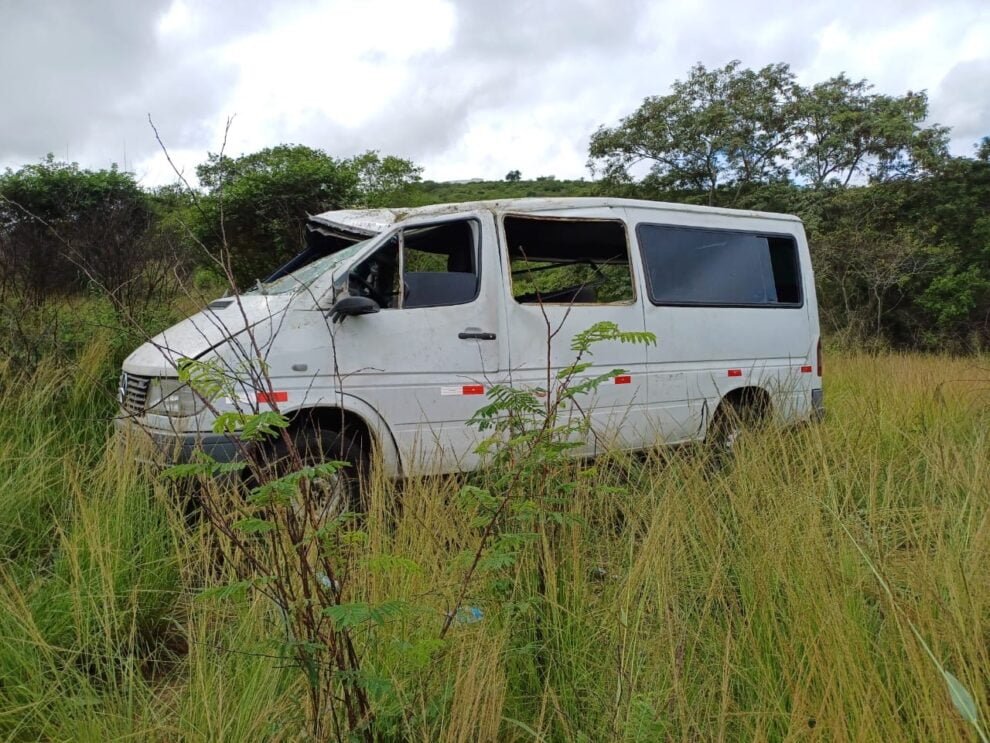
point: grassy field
(790, 597)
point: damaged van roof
(369, 222)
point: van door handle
(475, 334)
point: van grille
(132, 392)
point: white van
(387, 331)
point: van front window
(306, 275)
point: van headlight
(172, 398)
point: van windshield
(306, 275)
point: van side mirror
(353, 306)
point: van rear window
(689, 266)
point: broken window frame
(399, 235)
(553, 263)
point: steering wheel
(370, 291)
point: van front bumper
(172, 447)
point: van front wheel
(324, 496)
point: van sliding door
(563, 274)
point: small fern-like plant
(533, 434)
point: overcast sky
(467, 89)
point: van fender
(754, 397)
(391, 461)
(372, 419)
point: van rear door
(728, 305)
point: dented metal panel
(363, 222)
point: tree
(62, 227)
(845, 131)
(266, 196)
(513, 176)
(724, 130)
(383, 181)
(952, 209)
(263, 199)
(722, 127)
(906, 260)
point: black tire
(730, 423)
(331, 496)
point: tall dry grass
(666, 603)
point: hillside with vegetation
(830, 582)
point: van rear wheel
(731, 422)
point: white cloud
(344, 62)
(178, 20)
(467, 89)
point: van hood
(195, 336)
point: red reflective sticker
(735, 372)
(473, 389)
(623, 379)
(280, 396)
(806, 370)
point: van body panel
(412, 366)
(706, 351)
(203, 331)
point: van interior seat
(432, 289)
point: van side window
(689, 266)
(568, 261)
(438, 265)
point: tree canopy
(262, 199)
(724, 129)
(62, 227)
(899, 229)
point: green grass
(673, 604)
